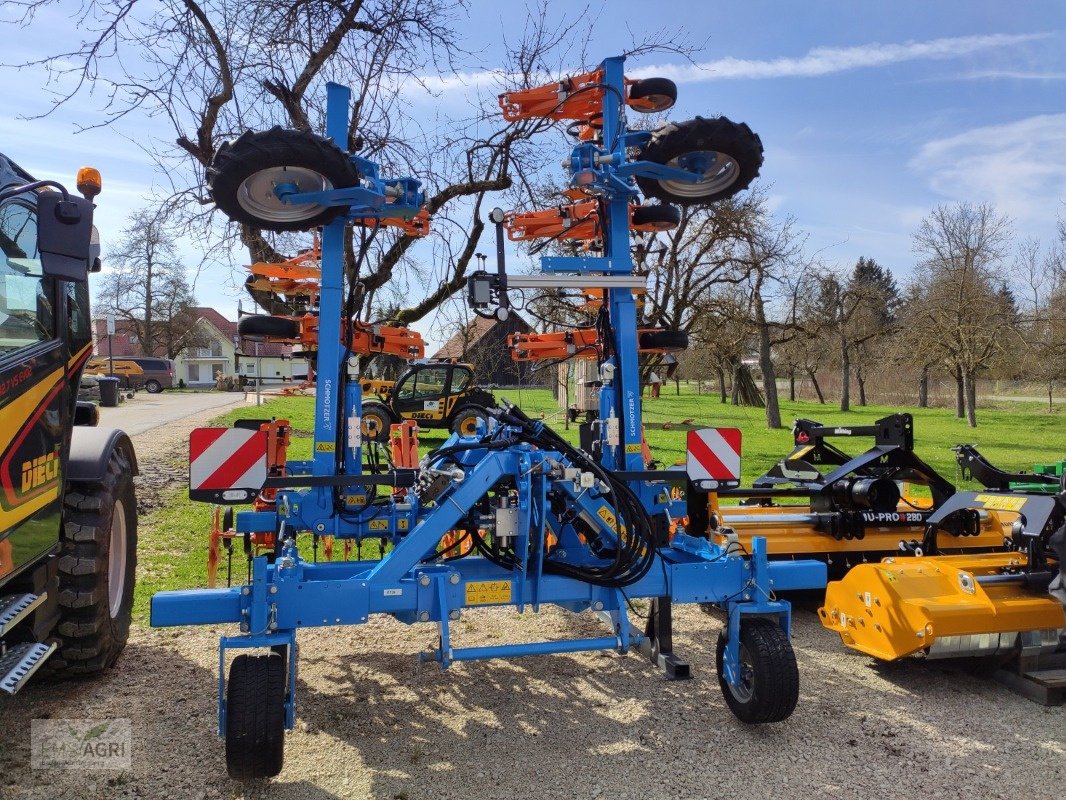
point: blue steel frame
(409, 583)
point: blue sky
(870, 113)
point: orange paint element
(577, 97)
(575, 343)
(417, 226)
(580, 221)
(327, 548)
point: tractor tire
(259, 327)
(670, 341)
(738, 150)
(770, 687)
(661, 93)
(153, 386)
(97, 568)
(375, 421)
(255, 717)
(464, 422)
(243, 173)
(659, 217)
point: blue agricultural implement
(513, 514)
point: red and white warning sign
(226, 465)
(714, 457)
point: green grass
(173, 546)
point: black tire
(375, 421)
(771, 685)
(671, 341)
(242, 173)
(152, 386)
(259, 327)
(736, 141)
(255, 717)
(661, 92)
(660, 217)
(464, 421)
(94, 621)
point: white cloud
(1009, 74)
(1019, 166)
(828, 60)
(816, 62)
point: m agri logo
(80, 744)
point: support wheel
(97, 566)
(667, 341)
(243, 174)
(769, 687)
(465, 421)
(652, 95)
(726, 154)
(375, 422)
(259, 327)
(255, 717)
(653, 218)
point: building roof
(459, 346)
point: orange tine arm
(555, 100)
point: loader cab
(45, 339)
(431, 391)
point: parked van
(158, 373)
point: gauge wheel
(768, 689)
(726, 155)
(255, 717)
(243, 174)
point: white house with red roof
(222, 351)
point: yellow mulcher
(1007, 603)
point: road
(148, 411)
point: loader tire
(255, 717)
(770, 680)
(243, 173)
(375, 421)
(97, 566)
(737, 152)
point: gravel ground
(372, 723)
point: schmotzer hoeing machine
(512, 515)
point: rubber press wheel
(670, 341)
(769, 687)
(243, 174)
(255, 717)
(657, 217)
(260, 326)
(658, 93)
(726, 154)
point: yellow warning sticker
(325, 447)
(401, 524)
(379, 525)
(486, 593)
(633, 448)
(612, 521)
(1000, 503)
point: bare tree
(215, 68)
(148, 288)
(959, 308)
